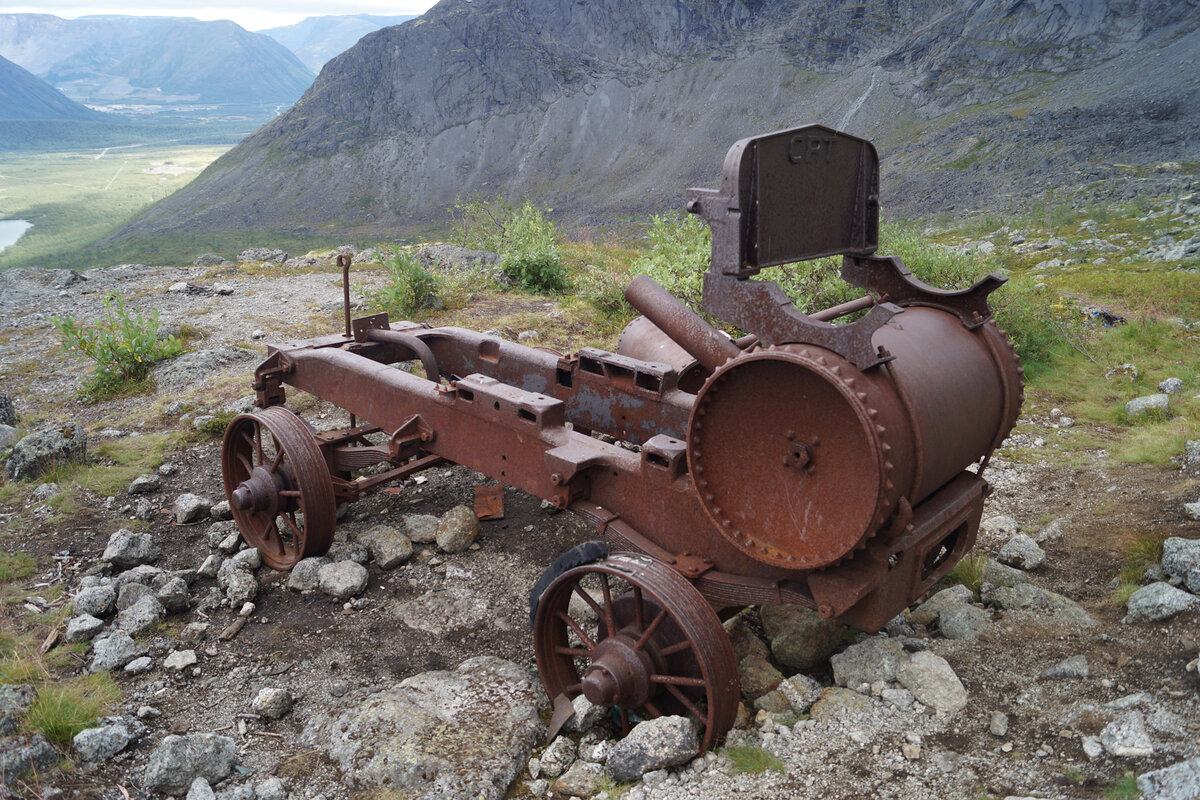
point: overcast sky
(252, 14)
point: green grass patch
(751, 759)
(968, 572)
(1123, 788)
(116, 463)
(16, 566)
(67, 707)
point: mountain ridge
(24, 96)
(316, 40)
(614, 108)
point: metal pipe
(422, 351)
(343, 261)
(849, 307)
(708, 345)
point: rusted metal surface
(489, 501)
(806, 462)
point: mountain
(611, 107)
(24, 96)
(120, 59)
(315, 40)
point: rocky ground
(414, 670)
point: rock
(24, 755)
(342, 579)
(8, 436)
(200, 790)
(220, 511)
(1148, 403)
(101, 743)
(1191, 453)
(421, 528)
(1129, 371)
(800, 638)
(1192, 510)
(757, 676)
(1177, 782)
(15, 700)
(998, 724)
(1073, 667)
(1028, 596)
(144, 574)
(837, 702)
(1022, 552)
(174, 595)
(141, 616)
(98, 601)
(209, 260)
(114, 651)
(195, 367)
(83, 628)
(348, 551)
(210, 566)
(1158, 601)
(927, 613)
(190, 508)
(932, 681)
(998, 574)
(37, 452)
(389, 547)
(272, 702)
(179, 660)
(270, 789)
(457, 530)
(583, 779)
(304, 576)
(1181, 559)
(246, 560)
(744, 640)
(653, 744)
(558, 757)
(1126, 737)
(128, 549)
(466, 733)
(240, 587)
(262, 254)
(1000, 528)
(8, 414)
(871, 660)
(194, 633)
(1170, 386)
(963, 622)
(449, 257)
(138, 665)
(179, 760)
(130, 593)
(45, 491)
(145, 484)
(586, 715)
(801, 692)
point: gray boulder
(1022, 552)
(272, 702)
(1072, 667)
(928, 612)
(457, 529)
(1126, 737)
(128, 549)
(582, 779)
(145, 484)
(15, 700)
(114, 651)
(1170, 386)
(101, 743)
(240, 587)
(130, 593)
(179, 760)
(1158, 601)
(270, 789)
(36, 453)
(174, 595)
(421, 528)
(8, 436)
(209, 260)
(304, 576)
(190, 508)
(8, 414)
(342, 579)
(200, 790)
(653, 744)
(270, 254)
(98, 601)
(141, 616)
(191, 368)
(1177, 782)
(179, 660)
(83, 628)
(466, 733)
(24, 755)
(932, 681)
(998, 574)
(1181, 559)
(1028, 596)
(558, 757)
(449, 257)
(871, 660)
(963, 622)
(801, 639)
(1140, 406)
(389, 547)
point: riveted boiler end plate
(788, 458)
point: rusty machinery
(808, 462)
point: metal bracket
(413, 431)
(888, 278)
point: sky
(252, 14)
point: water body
(11, 230)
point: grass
(116, 463)
(65, 708)
(16, 566)
(968, 572)
(751, 759)
(1123, 788)
(1142, 550)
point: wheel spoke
(245, 463)
(583, 637)
(676, 680)
(645, 637)
(571, 651)
(639, 611)
(651, 709)
(297, 531)
(574, 688)
(278, 457)
(258, 451)
(687, 703)
(678, 647)
(289, 492)
(624, 722)
(586, 597)
(610, 618)
(272, 535)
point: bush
(124, 345)
(410, 287)
(522, 235)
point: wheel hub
(619, 674)
(259, 493)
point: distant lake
(11, 230)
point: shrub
(527, 240)
(124, 344)
(410, 287)
(679, 254)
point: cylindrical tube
(708, 345)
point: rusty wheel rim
(278, 486)
(639, 639)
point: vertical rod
(344, 262)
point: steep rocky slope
(614, 107)
(25, 96)
(315, 40)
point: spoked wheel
(278, 486)
(638, 638)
